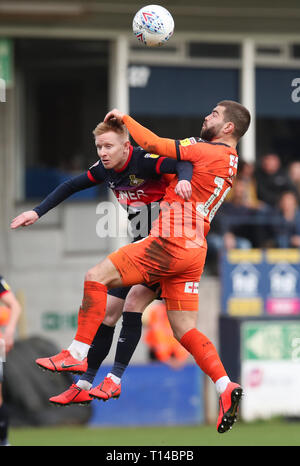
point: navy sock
(98, 351)
(129, 337)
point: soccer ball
(153, 25)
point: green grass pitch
(269, 433)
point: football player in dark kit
(138, 179)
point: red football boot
(229, 402)
(106, 389)
(74, 395)
(63, 362)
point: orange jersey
(214, 167)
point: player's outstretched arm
(24, 220)
(144, 137)
(149, 140)
(62, 192)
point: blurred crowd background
(261, 211)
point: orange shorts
(177, 269)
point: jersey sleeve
(150, 165)
(197, 151)
(96, 172)
(154, 165)
(183, 169)
(179, 149)
(63, 191)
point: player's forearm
(62, 192)
(184, 170)
(148, 140)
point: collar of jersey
(127, 161)
(216, 143)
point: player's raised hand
(115, 113)
(184, 189)
(25, 219)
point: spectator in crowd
(246, 173)
(234, 227)
(287, 222)
(294, 173)
(272, 180)
(236, 218)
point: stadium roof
(232, 16)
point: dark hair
(238, 115)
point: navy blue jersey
(139, 185)
(139, 181)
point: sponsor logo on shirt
(151, 156)
(133, 196)
(187, 141)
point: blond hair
(111, 125)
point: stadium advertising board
(139, 405)
(270, 376)
(6, 60)
(257, 282)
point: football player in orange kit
(174, 252)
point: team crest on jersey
(134, 181)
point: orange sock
(91, 312)
(204, 353)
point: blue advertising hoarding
(261, 282)
(152, 394)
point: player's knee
(180, 328)
(92, 275)
(111, 319)
(104, 273)
(138, 298)
(132, 304)
(114, 309)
